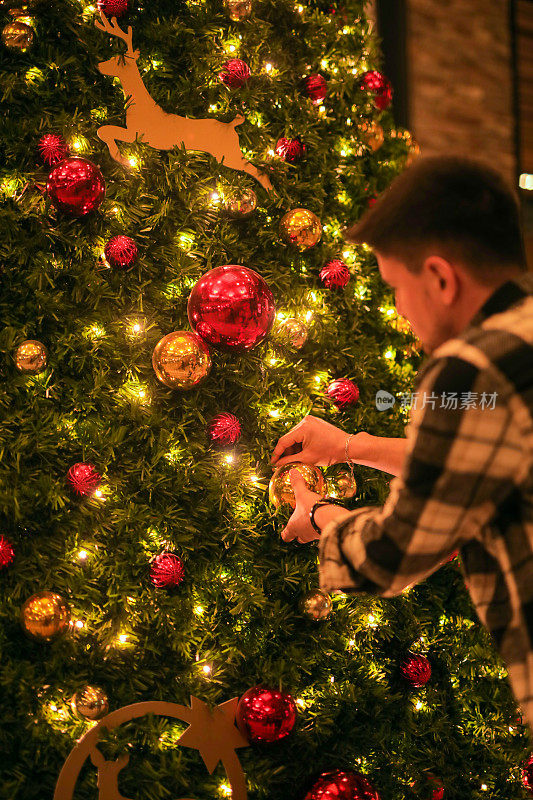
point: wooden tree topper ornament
(213, 733)
(153, 126)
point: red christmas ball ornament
(76, 186)
(342, 785)
(113, 8)
(380, 86)
(265, 715)
(290, 150)
(121, 251)
(7, 554)
(224, 429)
(343, 392)
(416, 669)
(53, 148)
(527, 774)
(166, 570)
(335, 274)
(83, 477)
(316, 87)
(231, 308)
(234, 73)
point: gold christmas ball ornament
(293, 332)
(90, 703)
(300, 228)
(45, 616)
(316, 604)
(31, 356)
(372, 134)
(280, 488)
(238, 9)
(181, 360)
(18, 35)
(341, 483)
(239, 205)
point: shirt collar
(505, 296)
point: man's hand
(299, 525)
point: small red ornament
(113, 8)
(121, 251)
(290, 150)
(83, 477)
(224, 429)
(335, 273)
(53, 149)
(265, 714)
(235, 73)
(316, 87)
(372, 201)
(166, 570)
(342, 785)
(231, 308)
(416, 669)
(343, 392)
(76, 186)
(380, 86)
(7, 554)
(527, 774)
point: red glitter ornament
(121, 251)
(342, 785)
(235, 73)
(290, 150)
(166, 570)
(7, 554)
(527, 774)
(316, 87)
(416, 669)
(76, 187)
(231, 308)
(113, 8)
(335, 273)
(83, 477)
(343, 392)
(265, 714)
(380, 86)
(225, 428)
(53, 148)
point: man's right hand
(312, 441)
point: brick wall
(459, 63)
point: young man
(447, 238)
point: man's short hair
(451, 206)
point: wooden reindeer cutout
(146, 120)
(108, 775)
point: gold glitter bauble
(90, 703)
(341, 483)
(45, 616)
(238, 9)
(316, 604)
(372, 134)
(280, 487)
(31, 356)
(301, 228)
(240, 205)
(18, 35)
(294, 333)
(181, 360)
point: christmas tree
(176, 295)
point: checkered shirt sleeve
(459, 466)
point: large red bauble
(231, 308)
(76, 186)
(342, 785)
(265, 714)
(83, 477)
(380, 86)
(416, 669)
(527, 774)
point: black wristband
(324, 501)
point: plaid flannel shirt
(466, 484)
